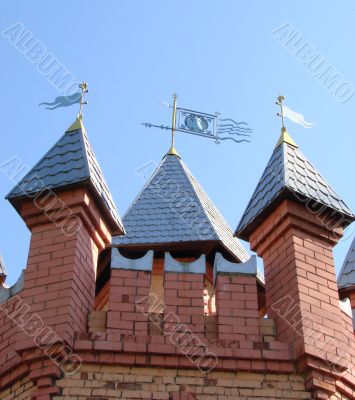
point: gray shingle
(172, 207)
(71, 161)
(346, 276)
(289, 172)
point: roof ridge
(143, 188)
(193, 181)
(197, 196)
(284, 180)
(92, 162)
(316, 171)
(82, 140)
(259, 183)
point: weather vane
(279, 102)
(70, 99)
(84, 89)
(210, 126)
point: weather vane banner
(210, 126)
(66, 101)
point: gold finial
(172, 149)
(285, 136)
(84, 89)
(77, 124)
(279, 102)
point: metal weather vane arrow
(210, 126)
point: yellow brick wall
(106, 382)
(21, 390)
(339, 396)
(95, 382)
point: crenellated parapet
(173, 308)
(173, 327)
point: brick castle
(167, 304)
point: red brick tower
(67, 206)
(293, 221)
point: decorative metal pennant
(210, 126)
(66, 101)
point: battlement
(173, 307)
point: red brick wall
(237, 307)
(60, 277)
(128, 302)
(183, 299)
(8, 336)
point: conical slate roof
(173, 208)
(70, 162)
(347, 273)
(289, 174)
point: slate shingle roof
(70, 161)
(171, 208)
(346, 276)
(287, 174)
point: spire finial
(279, 102)
(84, 89)
(172, 149)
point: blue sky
(217, 55)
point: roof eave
(286, 193)
(234, 255)
(115, 226)
(344, 290)
(245, 231)
(16, 201)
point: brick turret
(68, 208)
(70, 223)
(60, 275)
(293, 226)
